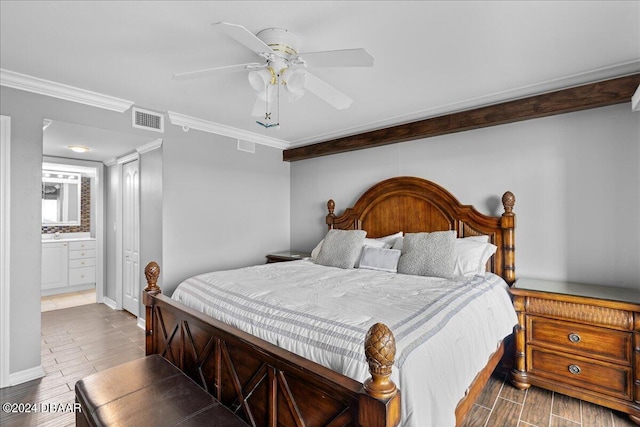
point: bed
(299, 377)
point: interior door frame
(5, 318)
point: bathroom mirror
(60, 198)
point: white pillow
(316, 250)
(391, 239)
(471, 255)
(398, 243)
(380, 259)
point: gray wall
(575, 177)
(220, 207)
(150, 212)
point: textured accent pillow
(341, 248)
(428, 254)
(380, 259)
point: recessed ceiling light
(79, 148)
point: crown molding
(153, 145)
(61, 91)
(188, 123)
(635, 100)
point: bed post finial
(331, 206)
(152, 272)
(380, 351)
(508, 200)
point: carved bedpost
(331, 206)
(518, 373)
(508, 234)
(151, 272)
(384, 409)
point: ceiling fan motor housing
(283, 42)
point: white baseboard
(109, 303)
(26, 375)
(141, 323)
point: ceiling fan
(282, 66)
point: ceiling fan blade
(338, 58)
(217, 70)
(243, 36)
(326, 92)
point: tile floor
(72, 299)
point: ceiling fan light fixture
(295, 81)
(259, 79)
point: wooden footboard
(262, 383)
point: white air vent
(149, 120)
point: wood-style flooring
(79, 341)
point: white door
(131, 237)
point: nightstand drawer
(589, 341)
(581, 372)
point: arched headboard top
(412, 205)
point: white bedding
(445, 330)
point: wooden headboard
(412, 205)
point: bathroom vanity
(68, 265)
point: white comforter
(445, 330)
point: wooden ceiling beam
(592, 95)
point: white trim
(600, 74)
(109, 303)
(5, 291)
(28, 83)
(128, 158)
(26, 375)
(141, 323)
(110, 162)
(188, 122)
(635, 100)
(153, 145)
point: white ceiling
(430, 57)
(105, 144)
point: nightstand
(580, 340)
(287, 256)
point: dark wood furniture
(269, 386)
(148, 391)
(580, 340)
(287, 256)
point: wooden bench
(148, 392)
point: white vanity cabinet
(68, 266)
(82, 262)
(55, 269)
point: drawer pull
(574, 369)
(574, 338)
